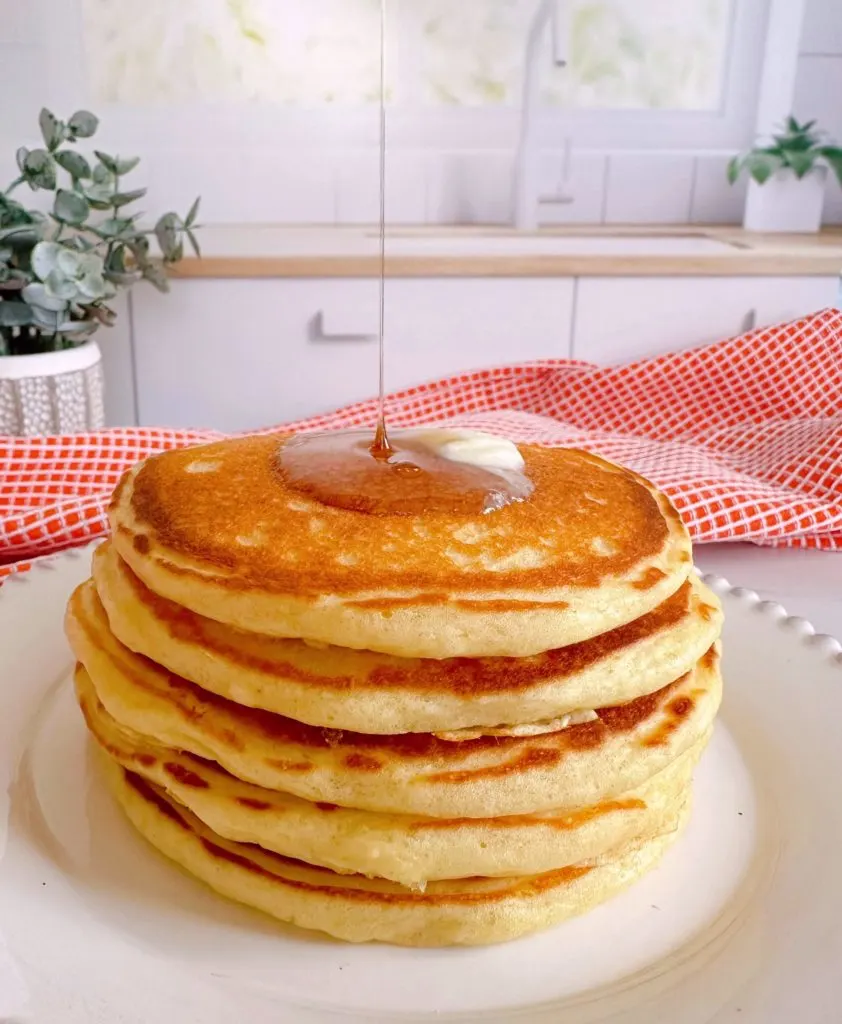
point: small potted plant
(787, 179)
(58, 270)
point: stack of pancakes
(421, 729)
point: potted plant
(58, 270)
(787, 179)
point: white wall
(818, 88)
(285, 164)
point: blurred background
(556, 182)
(267, 104)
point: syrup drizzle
(346, 470)
(380, 448)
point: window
(642, 73)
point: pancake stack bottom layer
(423, 730)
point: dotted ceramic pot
(52, 392)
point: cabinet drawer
(622, 319)
(237, 355)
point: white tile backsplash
(818, 84)
(18, 109)
(822, 32)
(17, 24)
(358, 187)
(818, 93)
(470, 188)
(649, 188)
(583, 187)
(715, 200)
(271, 186)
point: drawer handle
(322, 331)
(749, 322)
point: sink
(554, 245)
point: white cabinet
(242, 354)
(236, 354)
(619, 319)
(118, 364)
(787, 298)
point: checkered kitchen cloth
(745, 436)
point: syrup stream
(380, 448)
(349, 470)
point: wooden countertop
(318, 251)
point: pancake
(415, 773)
(463, 912)
(380, 693)
(406, 849)
(217, 530)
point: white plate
(742, 922)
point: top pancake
(217, 530)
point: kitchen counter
(282, 251)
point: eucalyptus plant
(797, 147)
(59, 269)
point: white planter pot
(786, 203)
(52, 392)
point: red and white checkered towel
(745, 436)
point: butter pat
(473, 448)
(498, 457)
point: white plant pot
(786, 203)
(52, 392)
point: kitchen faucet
(550, 14)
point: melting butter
(472, 447)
